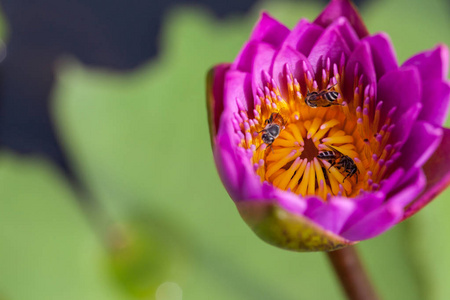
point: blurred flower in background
(320, 137)
(148, 193)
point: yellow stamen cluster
(350, 129)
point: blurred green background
(157, 222)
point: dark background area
(115, 34)
(120, 35)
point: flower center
(313, 141)
(310, 150)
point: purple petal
(362, 57)
(435, 100)
(330, 215)
(404, 125)
(410, 190)
(303, 36)
(346, 30)
(233, 162)
(237, 90)
(364, 204)
(227, 166)
(385, 216)
(250, 185)
(233, 165)
(383, 53)
(391, 181)
(295, 61)
(291, 202)
(214, 95)
(253, 54)
(374, 223)
(414, 177)
(269, 30)
(437, 172)
(432, 64)
(399, 88)
(420, 146)
(255, 58)
(344, 8)
(331, 44)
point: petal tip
(269, 30)
(344, 8)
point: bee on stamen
(273, 128)
(323, 98)
(329, 156)
(341, 161)
(349, 167)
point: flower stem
(351, 274)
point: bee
(323, 98)
(329, 156)
(341, 161)
(349, 166)
(272, 129)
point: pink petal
(330, 215)
(214, 92)
(383, 53)
(364, 204)
(255, 58)
(415, 177)
(253, 54)
(404, 125)
(437, 172)
(432, 64)
(233, 164)
(291, 202)
(391, 181)
(269, 30)
(250, 185)
(362, 57)
(344, 8)
(237, 89)
(330, 45)
(303, 36)
(227, 166)
(343, 26)
(385, 216)
(263, 59)
(436, 101)
(374, 223)
(399, 88)
(289, 58)
(419, 146)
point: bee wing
(284, 113)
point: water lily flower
(321, 138)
